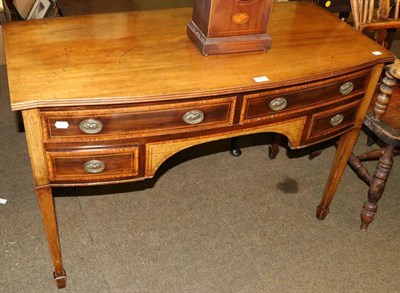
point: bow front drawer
(331, 122)
(275, 103)
(93, 165)
(137, 121)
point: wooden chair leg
(273, 149)
(377, 187)
(372, 155)
(355, 163)
(314, 154)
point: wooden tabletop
(146, 56)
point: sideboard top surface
(146, 56)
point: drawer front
(270, 104)
(331, 122)
(93, 165)
(135, 121)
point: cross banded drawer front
(137, 121)
(332, 122)
(89, 165)
(268, 104)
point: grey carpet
(208, 222)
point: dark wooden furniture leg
(377, 186)
(273, 149)
(314, 154)
(235, 150)
(384, 131)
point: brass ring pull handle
(91, 126)
(193, 117)
(337, 119)
(278, 104)
(94, 166)
(346, 88)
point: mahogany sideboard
(108, 98)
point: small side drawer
(266, 105)
(136, 121)
(332, 122)
(93, 165)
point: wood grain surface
(140, 56)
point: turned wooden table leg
(377, 187)
(343, 152)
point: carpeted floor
(208, 222)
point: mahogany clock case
(228, 26)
